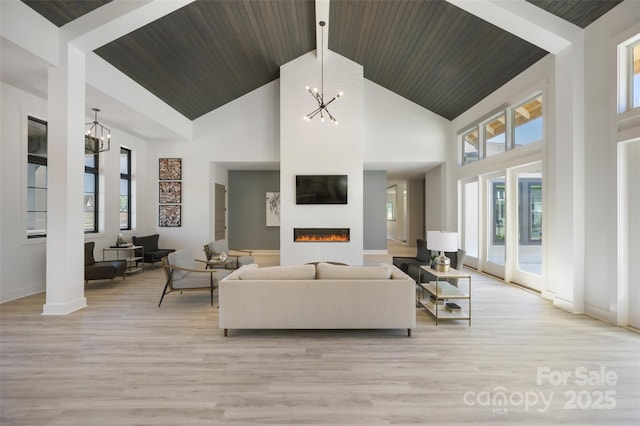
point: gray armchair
(182, 274)
(421, 257)
(235, 258)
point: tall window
(36, 178)
(125, 188)
(91, 164)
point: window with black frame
(91, 168)
(36, 178)
(125, 188)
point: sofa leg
(408, 332)
(225, 332)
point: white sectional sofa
(322, 296)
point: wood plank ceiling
(432, 53)
(209, 53)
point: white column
(565, 236)
(65, 167)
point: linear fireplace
(321, 235)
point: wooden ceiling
(578, 12)
(60, 12)
(209, 53)
(432, 53)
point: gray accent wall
(374, 202)
(247, 210)
(247, 216)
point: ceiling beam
(31, 31)
(110, 22)
(526, 21)
(116, 19)
(322, 14)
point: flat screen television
(321, 189)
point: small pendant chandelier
(319, 96)
(97, 138)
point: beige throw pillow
(326, 271)
(289, 272)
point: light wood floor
(124, 361)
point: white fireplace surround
(314, 147)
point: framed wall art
(170, 193)
(170, 169)
(170, 215)
(273, 209)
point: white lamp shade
(442, 241)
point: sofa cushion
(326, 271)
(288, 272)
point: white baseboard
(376, 251)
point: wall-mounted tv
(321, 189)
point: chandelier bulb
(315, 89)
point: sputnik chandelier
(94, 138)
(319, 96)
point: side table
(436, 296)
(129, 256)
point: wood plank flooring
(124, 361)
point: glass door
(496, 226)
(470, 223)
(530, 222)
(528, 212)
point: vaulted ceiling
(431, 52)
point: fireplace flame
(323, 238)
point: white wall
(313, 147)
(23, 261)
(22, 267)
(604, 131)
(415, 133)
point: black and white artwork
(273, 209)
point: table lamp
(442, 241)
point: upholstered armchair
(182, 274)
(235, 258)
(421, 257)
(152, 253)
(101, 270)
